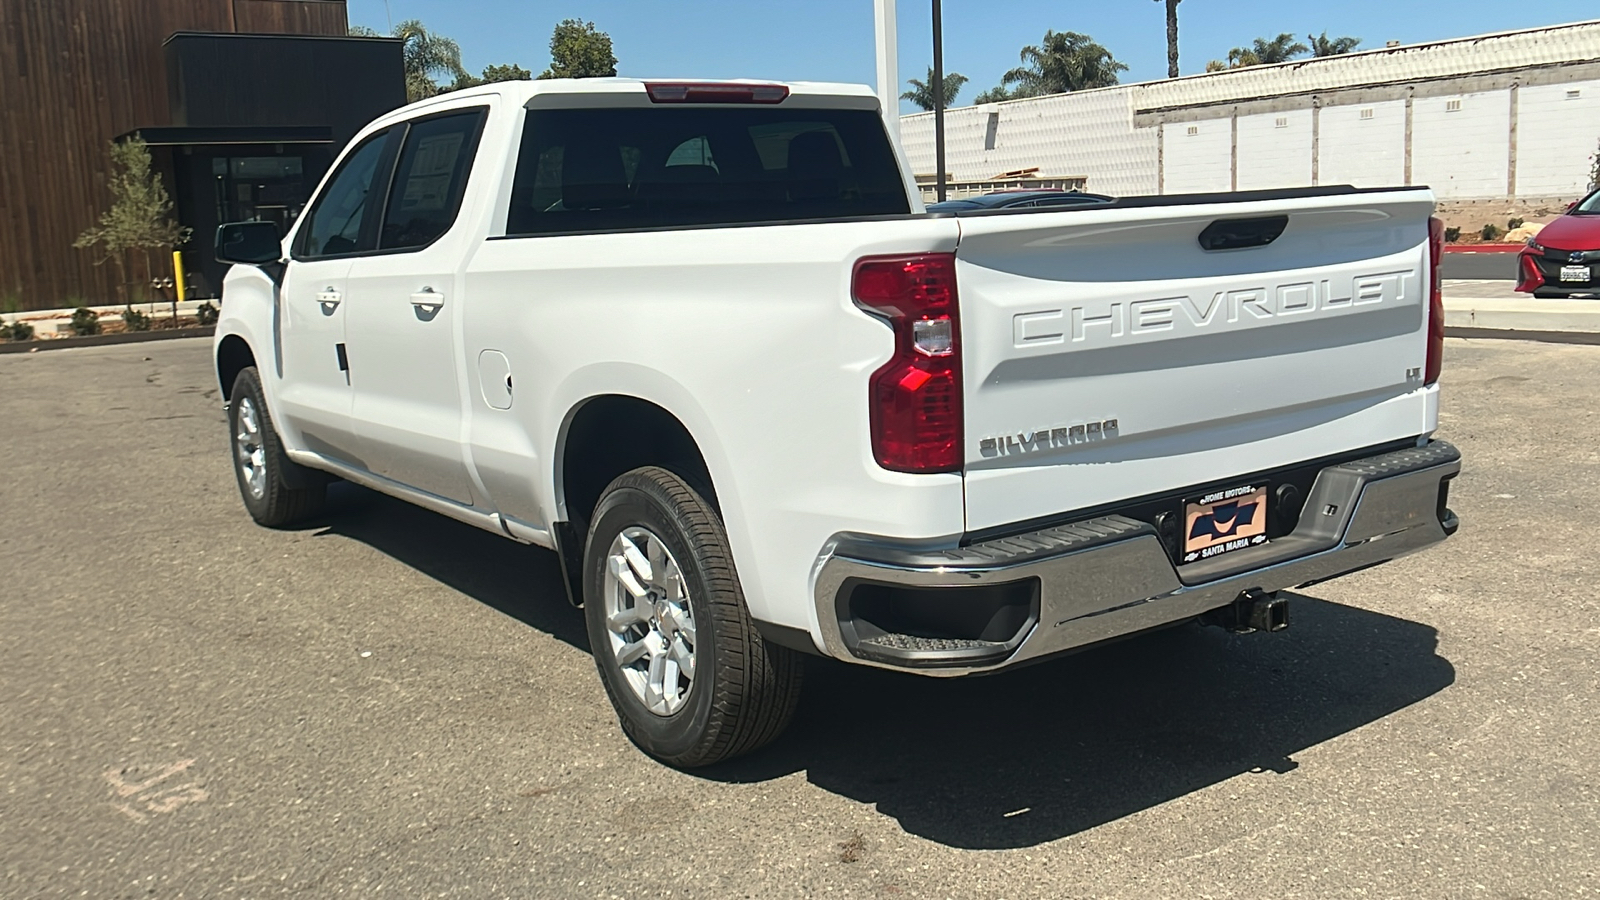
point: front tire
(264, 472)
(690, 677)
(1549, 295)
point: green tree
(577, 50)
(491, 75)
(1064, 61)
(921, 92)
(512, 72)
(140, 216)
(1172, 37)
(1322, 45)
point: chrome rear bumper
(1109, 577)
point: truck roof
(527, 91)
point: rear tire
(264, 472)
(1548, 295)
(692, 680)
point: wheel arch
(233, 356)
(609, 434)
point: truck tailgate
(1107, 355)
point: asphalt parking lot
(387, 703)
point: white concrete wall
(1462, 154)
(1197, 163)
(1557, 137)
(1364, 152)
(1089, 133)
(1274, 155)
(1456, 58)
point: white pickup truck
(702, 340)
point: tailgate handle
(1242, 234)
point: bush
(1514, 224)
(1452, 234)
(1491, 232)
(19, 331)
(85, 321)
(206, 314)
(135, 320)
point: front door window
(340, 221)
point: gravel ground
(387, 703)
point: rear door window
(583, 170)
(430, 180)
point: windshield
(1588, 206)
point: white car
(702, 340)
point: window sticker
(428, 184)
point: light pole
(938, 99)
(888, 67)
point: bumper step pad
(1110, 576)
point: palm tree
(427, 56)
(921, 92)
(1240, 57)
(1280, 49)
(1064, 61)
(1172, 37)
(1261, 52)
(1324, 46)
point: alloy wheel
(649, 620)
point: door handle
(329, 301)
(427, 303)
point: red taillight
(685, 92)
(1435, 302)
(915, 398)
(1531, 278)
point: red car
(1564, 259)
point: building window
(267, 188)
(1573, 95)
(1283, 122)
(1366, 114)
(1194, 130)
(1452, 106)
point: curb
(1488, 314)
(102, 340)
(1484, 248)
(1543, 337)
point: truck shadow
(1016, 759)
(520, 581)
(1031, 756)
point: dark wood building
(244, 102)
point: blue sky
(831, 40)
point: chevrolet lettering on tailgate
(1101, 323)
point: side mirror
(249, 243)
(1573, 205)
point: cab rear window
(585, 170)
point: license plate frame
(1584, 274)
(1224, 521)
